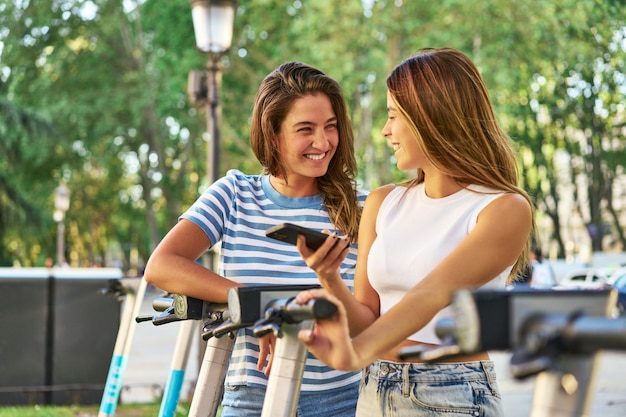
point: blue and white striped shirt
(237, 210)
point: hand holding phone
(288, 232)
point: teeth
(316, 157)
(396, 147)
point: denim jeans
(418, 389)
(243, 401)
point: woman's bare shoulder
(381, 192)
(375, 200)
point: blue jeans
(429, 390)
(243, 401)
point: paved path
(609, 399)
(153, 346)
(150, 358)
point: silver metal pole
(113, 387)
(175, 381)
(207, 395)
(567, 389)
(283, 386)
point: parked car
(560, 267)
(585, 278)
(618, 281)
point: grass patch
(124, 410)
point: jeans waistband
(436, 372)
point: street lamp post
(213, 22)
(61, 205)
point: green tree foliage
(570, 110)
(94, 93)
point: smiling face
(308, 138)
(407, 152)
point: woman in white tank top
(462, 222)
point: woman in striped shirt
(301, 134)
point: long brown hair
(442, 97)
(277, 93)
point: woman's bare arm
(500, 234)
(173, 265)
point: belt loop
(405, 379)
(490, 375)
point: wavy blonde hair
(441, 95)
(275, 97)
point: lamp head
(62, 198)
(213, 22)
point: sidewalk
(153, 347)
(150, 359)
(609, 398)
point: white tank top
(415, 233)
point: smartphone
(288, 232)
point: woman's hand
(326, 260)
(329, 340)
(267, 345)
